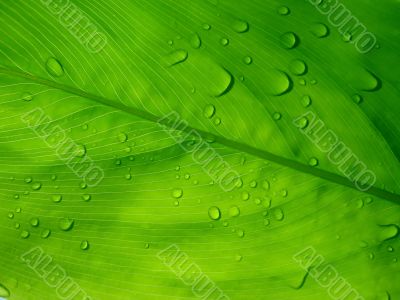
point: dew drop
(56, 198)
(36, 186)
(247, 60)
(175, 57)
(253, 184)
(224, 42)
(240, 26)
(240, 233)
(298, 67)
(84, 245)
(320, 30)
(306, 101)
(10, 215)
(18, 210)
(80, 150)
(66, 224)
(209, 111)
(122, 137)
(214, 213)
(54, 67)
(4, 292)
(283, 10)
(302, 122)
(357, 98)
(277, 116)
(28, 179)
(86, 197)
(313, 162)
(245, 196)
(25, 234)
(34, 222)
(266, 185)
(206, 26)
(289, 40)
(45, 233)
(278, 214)
(195, 41)
(389, 232)
(234, 211)
(177, 193)
(267, 202)
(27, 97)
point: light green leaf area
(234, 72)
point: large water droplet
(66, 224)
(388, 232)
(209, 111)
(298, 67)
(54, 67)
(276, 82)
(36, 186)
(195, 41)
(214, 213)
(320, 30)
(175, 57)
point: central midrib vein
(329, 176)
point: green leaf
(106, 195)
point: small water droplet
(267, 202)
(34, 222)
(177, 193)
(56, 198)
(206, 26)
(176, 57)
(267, 222)
(54, 67)
(253, 184)
(240, 233)
(17, 225)
(16, 196)
(28, 179)
(36, 186)
(234, 211)
(289, 40)
(84, 245)
(18, 210)
(209, 111)
(83, 185)
(86, 197)
(298, 67)
(278, 214)
(283, 10)
(245, 196)
(195, 41)
(313, 162)
(24, 234)
(306, 101)
(247, 60)
(224, 42)
(66, 224)
(320, 30)
(277, 116)
(357, 98)
(10, 215)
(240, 26)
(45, 233)
(214, 213)
(80, 150)
(122, 137)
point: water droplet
(284, 193)
(357, 98)
(320, 30)
(128, 176)
(257, 201)
(195, 41)
(214, 213)
(306, 101)
(28, 179)
(147, 246)
(84, 245)
(206, 26)
(176, 203)
(302, 122)
(253, 184)
(27, 97)
(36, 186)
(175, 57)
(17, 225)
(278, 214)
(224, 42)
(10, 215)
(18, 210)
(83, 185)
(122, 137)
(267, 202)
(277, 116)
(54, 67)
(66, 224)
(283, 10)
(34, 222)
(266, 185)
(209, 111)
(390, 249)
(240, 26)
(177, 193)
(24, 234)
(86, 197)
(234, 211)
(238, 257)
(389, 232)
(16, 196)
(267, 222)
(313, 162)
(45, 233)
(289, 40)
(4, 292)
(245, 196)
(56, 198)
(240, 233)
(247, 60)
(278, 82)
(80, 150)
(298, 67)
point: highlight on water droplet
(54, 67)
(214, 213)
